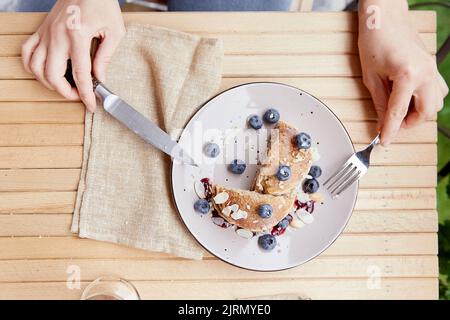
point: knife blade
(140, 125)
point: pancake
(282, 150)
(240, 207)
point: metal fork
(352, 170)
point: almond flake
(297, 223)
(199, 189)
(317, 197)
(315, 154)
(303, 197)
(244, 233)
(305, 216)
(240, 214)
(226, 211)
(221, 198)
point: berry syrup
(278, 230)
(307, 206)
(219, 221)
(215, 217)
(208, 188)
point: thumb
(103, 56)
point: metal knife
(140, 125)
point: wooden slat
(399, 177)
(166, 270)
(368, 199)
(70, 157)
(364, 132)
(67, 179)
(41, 157)
(261, 44)
(408, 198)
(12, 68)
(386, 244)
(246, 66)
(33, 202)
(406, 288)
(39, 179)
(379, 221)
(41, 134)
(226, 22)
(72, 134)
(404, 154)
(41, 112)
(11, 45)
(288, 66)
(389, 221)
(26, 90)
(21, 225)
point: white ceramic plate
(220, 120)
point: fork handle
(376, 140)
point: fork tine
(345, 186)
(343, 181)
(339, 173)
(339, 181)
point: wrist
(388, 6)
(384, 13)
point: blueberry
(237, 166)
(283, 224)
(303, 140)
(212, 150)
(315, 171)
(255, 122)
(271, 116)
(267, 242)
(265, 211)
(310, 185)
(284, 173)
(202, 206)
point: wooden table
(388, 250)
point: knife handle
(101, 92)
(68, 74)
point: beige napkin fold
(124, 194)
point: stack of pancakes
(240, 207)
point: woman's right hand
(66, 33)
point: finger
(55, 70)
(37, 65)
(424, 107)
(103, 56)
(379, 96)
(81, 71)
(439, 99)
(28, 48)
(443, 85)
(397, 109)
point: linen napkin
(124, 193)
